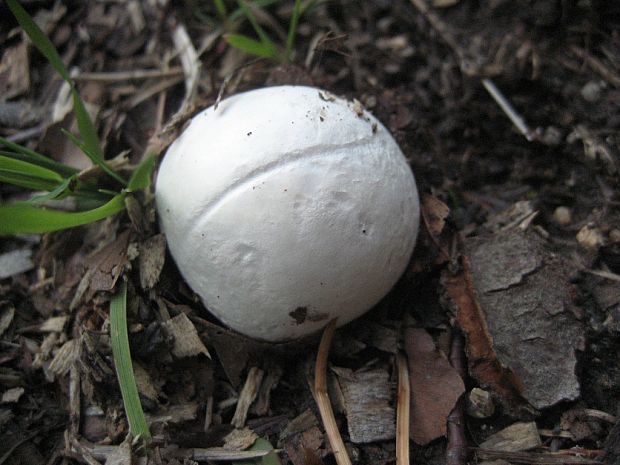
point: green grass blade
(94, 157)
(220, 6)
(251, 46)
(23, 218)
(87, 129)
(141, 177)
(85, 124)
(292, 29)
(24, 174)
(18, 178)
(59, 192)
(124, 368)
(264, 38)
(38, 38)
(25, 154)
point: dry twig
(456, 453)
(402, 412)
(322, 397)
(597, 65)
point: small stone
(480, 404)
(552, 136)
(563, 216)
(590, 237)
(591, 92)
(11, 396)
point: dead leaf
(435, 386)
(187, 343)
(434, 213)
(109, 263)
(152, 257)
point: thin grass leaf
(221, 8)
(94, 157)
(124, 368)
(250, 46)
(23, 218)
(85, 124)
(88, 132)
(62, 190)
(24, 174)
(25, 154)
(38, 38)
(141, 177)
(292, 29)
(264, 38)
(238, 13)
(17, 178)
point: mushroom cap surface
(286, 207)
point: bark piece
(435, 386)
(175, 414)
(187, 343)
(7, 313)
(302, 439)
(481, 357)
(367, 396)
(517, 437)
(240, 439)
(525, 293)
(68, 353)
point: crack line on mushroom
(317, 151)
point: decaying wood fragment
(263, 401)
(247, 396)
(367, 395)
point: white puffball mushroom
(285, 207)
